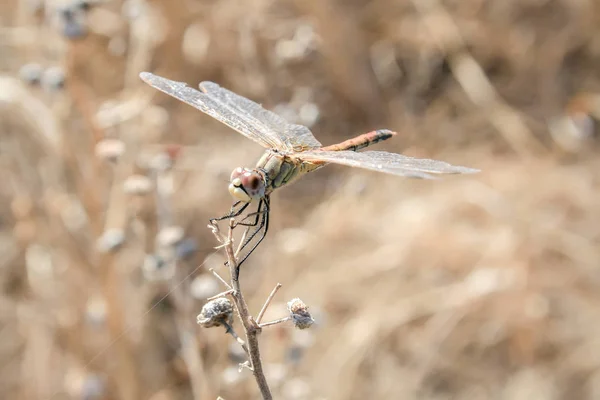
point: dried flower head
(300, 314)
(216, 312)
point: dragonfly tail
(362, 141)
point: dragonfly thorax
(247, 184)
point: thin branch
(242, 241)
(275, 322)
(222, 294)
(223, 281)
(269, 299)
(251, 328)
(229, 329)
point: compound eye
(252, 182)
(236, 173)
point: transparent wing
(391, 163)
(241, 114)
(293, 137)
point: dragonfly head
(247, 184)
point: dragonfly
(292, 151)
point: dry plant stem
(277, 321)
(251, 328)
(227, 285)
(222, 294)
(269, 299)
(238, 339)
(242, 241)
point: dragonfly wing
(391, 163)
(298, 138)
(233, 110)
(294, 138)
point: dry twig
(251, 328)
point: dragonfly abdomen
(362, 141)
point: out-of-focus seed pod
(170, 236)
(110, 149)
(186, 248)
(31, 73)
(72, 21)
(111, 240)
(53, 79)
(157, 268)
(137, 185)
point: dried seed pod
(216, 312)
(300, 314)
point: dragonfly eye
(237, 173)
(246, 185)
(252, 182)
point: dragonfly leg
(263, 228)
(259, 211)
(232, 213)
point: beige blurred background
(483, 286)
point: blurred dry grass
(477, 287)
